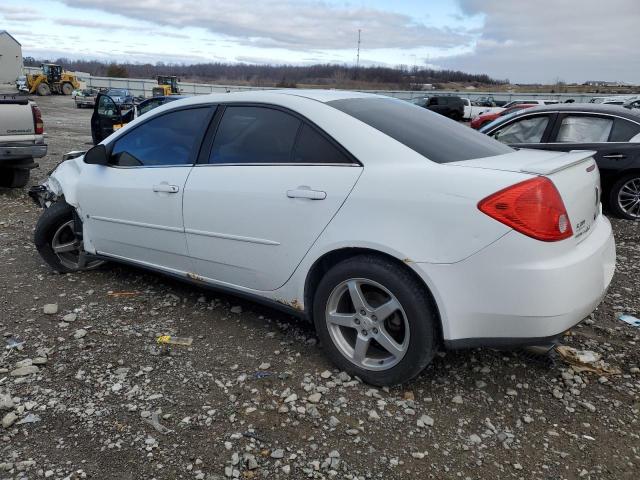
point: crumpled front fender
(63, 181)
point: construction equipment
(167, 85)
(52, 79)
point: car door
(606, 134)
(106, 114)
(526, 131)
(132, 207)
(266, 188)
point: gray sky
(523, 40)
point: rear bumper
(520, 291)
(16, 152)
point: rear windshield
(430, 134)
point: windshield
(117, 93)
(435, 137)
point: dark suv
(452, 107)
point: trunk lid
(575, 175)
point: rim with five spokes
(69, 250)
(629, 198)
(367, 324)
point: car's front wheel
(624, 197)
(56, 240)
(375, 319)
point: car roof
(586, 108)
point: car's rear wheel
(624, 197)
(375, 320)
(57, 242)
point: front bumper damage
(51, 191)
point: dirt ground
(88, 394)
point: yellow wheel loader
(167, 85)
(52, 79)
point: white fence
(143, 87)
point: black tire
(43, 90)
(415, 301)
(14, 177)
(48, 223)
(67, 88)
(613, 205)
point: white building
(10, 58)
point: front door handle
(166, 188)
(306, 192)
(615, 156)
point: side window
(527, 130)
(169, 139)
(623, 130)
(149, 105)
(107, 107)
(254, 135)
(584, 129)
(433, 101)
(312, 147)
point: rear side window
(254, 135)
(623, 130)
(437, 138)
(312, 147)
(169, 139)
(583, 129)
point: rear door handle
(163, 187)
(615, 156)
(306, 192)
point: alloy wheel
(69, 249)
(367, 324)
(629, 197)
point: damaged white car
(394, 229)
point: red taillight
(533, 207)
(38, 124)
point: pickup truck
(21, 139)
(472, 110)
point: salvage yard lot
(254, 396)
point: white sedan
(395, 230)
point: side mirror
(97, 155)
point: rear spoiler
(558, 162)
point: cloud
(18, 14)
(574, 40)
(288, 24)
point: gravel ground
(90, 395)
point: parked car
(612, 132)
(86, 97)
(21, 139)
(631, 104)
(489, 117)
(449, 106)
(109, 116)
(21, 84)
(514, 103)
(121, 96)
(393, 229)
(473, 110)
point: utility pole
(358, 55)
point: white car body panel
(487, 280)
(124, 217)
(242, 228)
